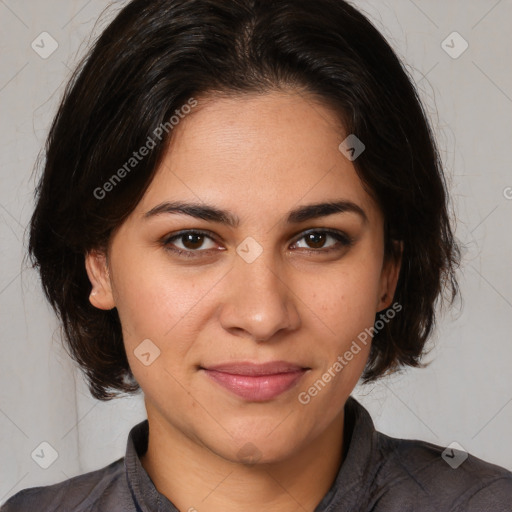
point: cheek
(342, 313)
(149, 301)
(345, 299)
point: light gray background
(466, 393)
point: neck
(194, 478)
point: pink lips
(256, 382)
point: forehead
(257, 153)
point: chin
(259, 448)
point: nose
(258, 303)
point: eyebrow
(295, 216)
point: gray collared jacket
(378, 474)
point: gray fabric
(378, 474)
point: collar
(348, 491)
(351, 487)
(144, 493)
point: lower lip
(256, 388)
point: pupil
(189, 240)
(316, 239)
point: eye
(316, 240)
(188, 242)
(191, 243)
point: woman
(242, 213)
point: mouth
(256, 382)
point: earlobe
(96, 266)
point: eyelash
(342, 238)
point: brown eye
(317, 240)
(192, 240)
(189, 243)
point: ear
(389, 276)
(97, 269)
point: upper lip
(247, 368)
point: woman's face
(278, 282)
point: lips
(256, 382)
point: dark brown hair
(154, 57)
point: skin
(258, 156)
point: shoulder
(96, 490)
(442, 478)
